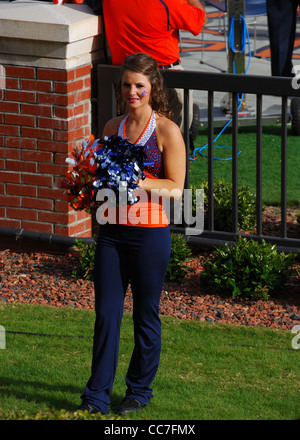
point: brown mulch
(39, 278)
(272, 221)
(43, 278)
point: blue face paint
(144, 93)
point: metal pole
(236, 54)
(236, 9)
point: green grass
(207, 371)
(271, 162)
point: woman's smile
(133, 100)
(136, 88)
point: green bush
(86, 259)
(223, 206)
(176, 269)
(180, 252)
(247, 269)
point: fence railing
(235, 85)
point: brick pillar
(45, 111)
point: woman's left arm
(171, 143)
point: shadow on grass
(45, 394)
(39, 392)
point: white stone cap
(44, 21)
(41, 34)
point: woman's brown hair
(146, 65)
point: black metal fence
(235, 85)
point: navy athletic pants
(282, 15)
(124, 254)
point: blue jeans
(124, 254)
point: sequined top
(149, 212)
(149, 140)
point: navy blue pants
(282, 29)
(140, 256)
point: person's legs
(148, 265)
(143, 255)
(110, 280)
(282, 28)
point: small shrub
(247, 269)
(180, 252)
(176, 269)
(223, 206)
(86, 260)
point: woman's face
(136, 89)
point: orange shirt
(149, 26)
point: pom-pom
(103, 164)
(119, 161)
(79, 181)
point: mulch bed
(41, 278)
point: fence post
(283, 167)
(259, 165)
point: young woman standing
(136, 248)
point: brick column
(45, 111)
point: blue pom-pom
(120, 161)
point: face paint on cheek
(144, 93)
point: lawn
(207, 371)
(271, 162)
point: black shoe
(129, 405)
(85, 406)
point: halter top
(148, 211)
(149, 140)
